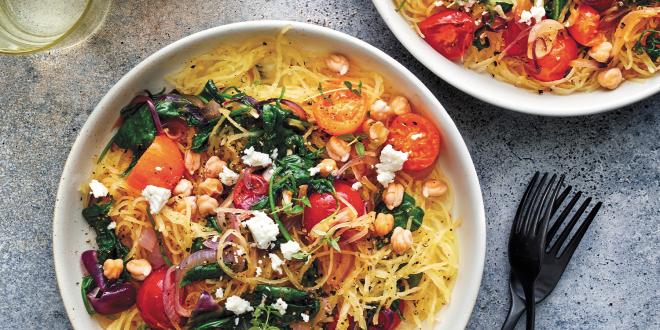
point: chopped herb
(649, 43)
(359, 148)
(357, 91)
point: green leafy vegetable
(200, 141)
(201, 272)
(212, 222)
(298, 302)
(261, 318)
(311, 275)
(109, 246)
(197, 244)
(553, 8)
(649, 43)
(506, 5)
(138, 130)
(85, 286)
(210, 92)
(479, 42)
(404, 213)
(415, 279)
(357, 91)
(163, 251)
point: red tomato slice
(150, 300)
(418, 137)
(583, 26)
(340, 112)
(161, 165)
(249, 190)
(324, 204)
(553, 66)
(515, 38)
(450, 32)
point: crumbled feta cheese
(238, 305)
(239, 252)
(236, 320)
(416, 136)
(219, 293)
(275, 263)
(268, 173)
(289, 249)
(357, 185)
(314, 170)
(380, 106)
(280, 306)
(536, 13)
(112, 225)
(156, 196)
(391, 160)
(97, 189)
(255, 158)
(158, 168)
(227, 176)
(258, 271)
(305, 317)
(264, 230)
(437, 4)
(273, 154)
(215, 238)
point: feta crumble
(258, 271)
(380, 106)
(391, 160)
(305, 317)
(238, 305)
(280, 306)
(416, 136)
(437, 4)
(536, 12)
(357, 185)
(112, 225)
(227, 176)
(255, 158)
(239, 252)
(156, 196)
(158, 168)
(289, 249)
(97, 189)
(314, 170)
(276, 263)
(273, 154)
(219, 293)
(264, 230)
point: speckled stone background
(613, 281)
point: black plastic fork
(555, 260)
(528, 235)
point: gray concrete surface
(612, 282)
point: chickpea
(211, 187)
(327, 166)
(182, 203)
(434, 188)
(400, 105)
(206, 205)
(213, 167)
(344, 215)
(112, 268)
(610, 78)
(366, 125)
(378, 133)
(601, 52)
(338, 149)
(192, 161)
(139, 269)
(383, 224)
(337, 63)
(393, 195)
(401, 240)
(183, 188)
(380, 110)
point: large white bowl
(69, 228)
(484, 87)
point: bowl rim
(479, 244)
(437, 63)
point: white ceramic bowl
(69, 226)
(488, 89)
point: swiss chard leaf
(137, 131)
(405, 212)
(649, 43)
(109, 246)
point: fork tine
(542, 225)
(533, 204)
(575, 241)
(539, 205)
(523, 204)
(564, 214)
(567, 231)
(560, 200)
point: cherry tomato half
(418, 137)
(340, 112)
(515, 38)
(150, 300)
(553, 66)
(599, 5)
(324, 204)
(161, 165)
(249, 190)
(450, 32)
(583, 26)
(387, 320)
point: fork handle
(516, 310)
(530, 305)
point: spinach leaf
(506, 5)
(415, 279)
(174, 105)
(649, 42)
(197, 244)
(212, 222)
(554, 8)
(478, 42)
(311, 275)
(210, 92)
(298, 302)
(109, 246)
(137, 131)
(200, 141)
(285, 293)
(222, 324)
(201, 272)
(87, 285)
(405, 212)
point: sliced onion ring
(546, 32)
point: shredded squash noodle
(356, 273)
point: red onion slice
(114, 299)
(90, 260)
(169, 297)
